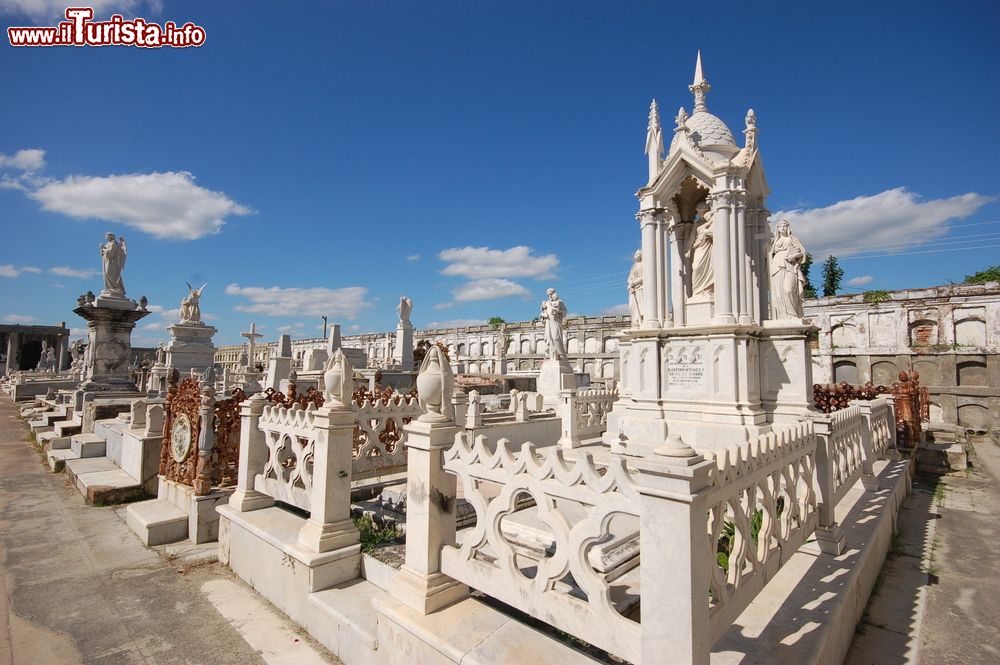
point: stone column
(329, 526)
(253, 457)
(206, 442)
(868, 478)
(678, 291)
(566, 410)
(721, 258)
(672, 521)
(63, 349)
(829, 535)
(742, 263)
(430, 520)
(647, 218)
(661, 269)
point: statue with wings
(190, 306)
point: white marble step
(53, 441)
(157, 522)
(57, 458)
(100, 480)
(88, 445)
(349, 605)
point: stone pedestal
(402, 352)
(279, 365)
(555, 376)
(110, 322)
(786, 370)
(190, 347)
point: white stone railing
(761, 509)
(549, 589)
(379, 437)
(846, 450)
(584, 414)
(290, 435)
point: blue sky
(469, 155)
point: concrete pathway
(936, 601)
(77, 586)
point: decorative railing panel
(379, 438)
(846, 450)
(883, 427)
(290, 435)
(563, 588)
(591, 409)
(761, 509)
(181, 431)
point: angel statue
(404, 309)
(190, 307)
(113, 254)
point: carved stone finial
(699, 87)
(681, 120)
(338, 380)
(751, 119)
(435, 386)
(674, 446)
(654, 117)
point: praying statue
(787, 280)
(553, 315)
(635, 289)
(190, 306)
(700, 256)
(113, 253)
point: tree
(832, 274)
(990, 274)
(808, 290)
(495, 322)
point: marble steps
(69, 427)
(353, 630)
(40, 425)
(157, 522)
(88, 445)
(57, 458)
(101, 482)
(52, 441)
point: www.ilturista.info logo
(80, 30)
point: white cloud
(80, 273)
(32, 269)
(165, 205)
(346, 302)
(413, 257)
(893, 220)
(294, 327)
(52, 9)
(58, 285)
(32, 159)
(354, 327)
(7, 270)
(616, 310)
(455, 323)
(488, 289)
(860, 281)
(480, 262)
(19, 318)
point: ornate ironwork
(912, 401)
(183, 401)
(225, 459)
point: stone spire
(700, 87)
(654, 140)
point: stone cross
(253, 336)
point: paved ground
(938, 599)
(77, 586)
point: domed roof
(706, 129)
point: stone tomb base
(190, 347)
(554, 377)
(177, 514)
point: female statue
(635, 290)
(113, 262)
(787, 255)
(702, 271)
(553, 314)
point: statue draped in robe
(553, 315)
(700, 256)
(191, 305)
(113, 253)
(635, 290)
(787, 280)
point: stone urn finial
(338, 380)
(435, 385)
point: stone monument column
(402, 351)
(648, 221)
(13, 349)
(722, 257)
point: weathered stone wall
(949, 334)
